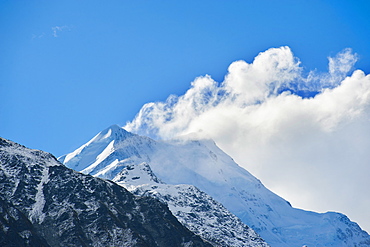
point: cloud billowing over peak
(257, 92)
(303, 133)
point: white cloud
(55, 32)
(342, 63)
(34, 36)
(310, 150)
(57, 29)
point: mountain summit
(99, 144)
(202, 164)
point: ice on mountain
(202, 164)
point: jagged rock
(43, 203)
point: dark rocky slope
(43, 203)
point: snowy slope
(202, 164)
(192, 207)
(43, 203)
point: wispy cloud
(55, 32)
(34, 36)
(311, 150)
(57, 29)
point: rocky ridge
(43, 203)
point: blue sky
(109, 58)
(69, 69)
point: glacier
(199, 162)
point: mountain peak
(113, 132)
(114, 128)
(103, 141)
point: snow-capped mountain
(43, 203)
(202, 164)
(193, 208)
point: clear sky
(69, 69)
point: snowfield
(202, 164)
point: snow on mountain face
(100, 144)
(202, 164)
(43, 203)
(192, 207)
